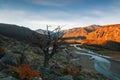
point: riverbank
(102, 51)
(111, 64)
(88, 72)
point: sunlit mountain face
(107, 35)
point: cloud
(50, 2)
(96, 12)
(65, 24)
(40, 19)
(32, 20)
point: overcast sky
(68, 13)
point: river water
(102, 64)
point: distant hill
(41, 31)
(20, 33)
(107, 35)
(92, 28)
(107, 32)
(44, 32)
(77, 32)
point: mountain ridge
(21, 33)
(80, 31)
(106, 36)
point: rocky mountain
(82, 31)
(107, 32)
(41, 31)
(20, 33)
(76, 34)
(44, 32)
(92, 28)
(106, 35)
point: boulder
(68, 77)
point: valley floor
(102, 51)
(88, 72)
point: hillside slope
(82, 31)
(21, 33)
(108, 32)
(108, 36)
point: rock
(10, 59)
(37, 78)
(8, 78)
(68, 77)
(34, 59)
(4, 76)
(78, 78)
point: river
(103, 64)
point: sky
(36, 14)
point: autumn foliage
(25, 72)
(70, 70)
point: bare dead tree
(51, 45)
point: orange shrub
(70, 70)
(25, 72)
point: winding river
(103, 64)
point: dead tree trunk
(46, 60)
(49, 54)
(50, 41)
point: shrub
(1, 51)
(25, 72)
(70, 70)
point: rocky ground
(88, 71)
(10, 55)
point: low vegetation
(70, 70)
(2, 51)
(24, 72)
